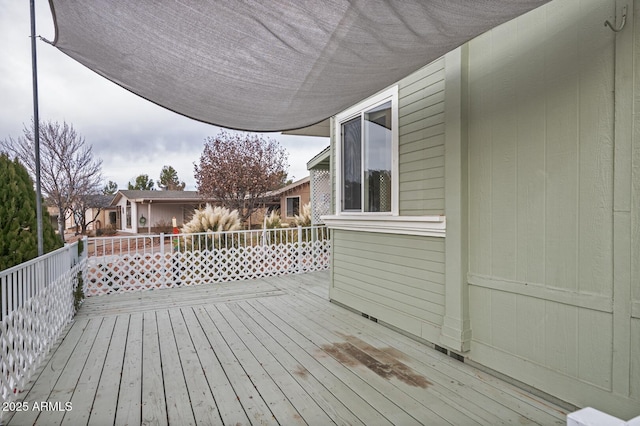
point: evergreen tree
(169, 180)
(110, 188)
(142, 182)
(18, 222)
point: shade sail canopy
(267, 65)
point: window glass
(293, 206)
(351, 165)
(366, 161)
(128, 214)
(377, 163)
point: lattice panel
(27, 334)
(320, 194)
(137, 272)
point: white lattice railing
(37, 302)
(123, 264)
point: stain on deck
(354, 352)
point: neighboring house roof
(142, 196)
(101, 200)
(95, 201)
(322, 160)
(284, 189)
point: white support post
(163, 261)
(85, 248)
(299, 266)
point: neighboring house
(293, 197)
(100, 210)
(489, 204)
(289, 199)
(139, 211)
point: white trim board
(427, 226)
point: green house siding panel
(411, 146)
(416, 102)
(421, 134)
(412, 208)
(541, 205)
(417, 112)
(635, 359)
(421, 144)
(387, 274)
(434, 68)
(433, 174)
(567, 339)
(541, 200)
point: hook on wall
(607, 23)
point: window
(128, 214)
(367, 151)
(293, 206)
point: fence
(37, 302)
(145, 262)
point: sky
(130, 135)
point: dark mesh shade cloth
(267, 65)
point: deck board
(268, 351)
(485, 391)
(154, 408)
(129, 408)
(103, 410)
(179, 409)
(202, 402)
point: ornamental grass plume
(273, 221)
(304, 219)
(212, 219)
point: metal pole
(36, 128)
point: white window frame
(286, 206)
(387, 95)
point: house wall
(421, 141)
(633, 167)
(302, 191)
(542, 279)
(162, 214)
(121, 205)
(399, 279)
(549, 205)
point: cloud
(129, 134)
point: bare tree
(238, 169)
(68, 169)
(93, 203)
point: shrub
(304, 218)
(273, 221)
(209, 220)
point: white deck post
(299, 266)
(163, 261)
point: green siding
(398, 279)
(542, 223)
(421, 141)
(634, 254)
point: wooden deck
(269, 351)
